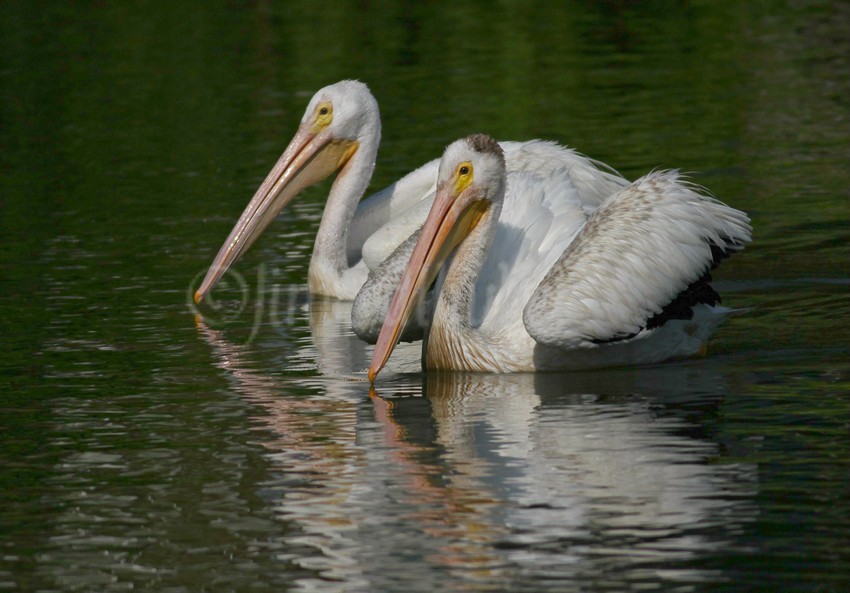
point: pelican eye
(463, 177)
(324, 115)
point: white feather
(576, 268)
(641, 248)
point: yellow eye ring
(463, 176)
(324, 115)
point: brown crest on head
(485, 144)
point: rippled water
(146, 447)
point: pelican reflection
(487, 480)
(580, 474)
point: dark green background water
(142, 448)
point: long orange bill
(447, 224)
(309, 158)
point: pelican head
(471, 180)
(339, 119)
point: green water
(142, 448)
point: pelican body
(533, 274)
(340, 132)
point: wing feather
(538, 212)
(645, 245)
(373, 300)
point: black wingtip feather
(682, 307)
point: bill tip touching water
(534, 273)
(339, 132)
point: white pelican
(340, 131)
(557, 283)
